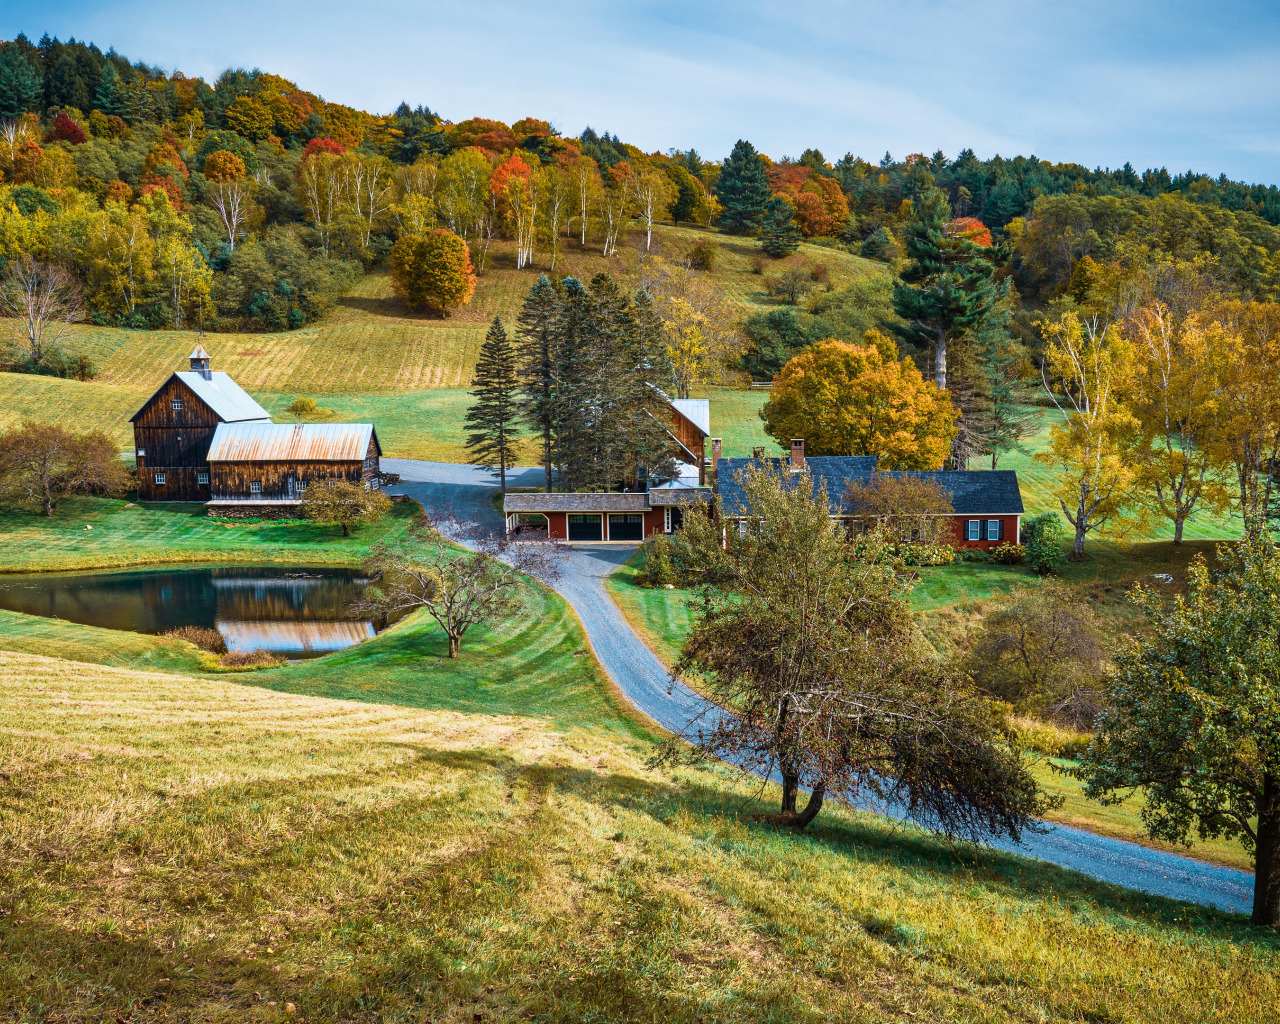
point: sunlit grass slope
(193, 848)
(133, 534)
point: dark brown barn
(275, 462)
(689, 422)
(173, 430)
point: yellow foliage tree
(1095, 444)
(848, 399)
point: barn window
(176, 403)
(375, 484)
(255, 486)
(141, 453)
(159, 478)
(202, 478)
(302, 485)
(995, 529)
(973, 529)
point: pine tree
(743, 190)
(108, 97)
(21, 85)
(492, 419)
(535, 329)
(948, 288)
(780, 236)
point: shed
(277, 461)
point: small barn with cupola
(201, 437)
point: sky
(1176, 85)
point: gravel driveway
(646, 683)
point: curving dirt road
(647, 684)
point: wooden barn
(173, 430)
(200, 437)
(276, 462)
(689, 423)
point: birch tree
(585, 176)
(322, 190)
(653, 193)
(1085, 369)
(44, 299)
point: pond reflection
(295, 612)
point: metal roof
(198, 352)
(696, 410)
(972, 492)
(223, 395)
(291, 442)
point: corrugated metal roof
(290, 442)
(224, 396)
(696, 410)
(198, 352)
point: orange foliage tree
(222, 165)
(848, 399)
(969, 228)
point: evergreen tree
(535, 329)
(492, 419)
(108, 98)
(948, 288)
(743, 190)
(20, 83)
(780, 236)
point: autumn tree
(493, 419)
(42, 463)
(1172, 395)
(433, 270)
(811, 646)
(44, 299)
(902, 507)
(699, 326)
(1191, 716)
(462, 191)
(848, 399)
(587, 185)
(230, 193)
(1086, 368)
(652, 194)
(343, 503)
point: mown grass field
(383, 835)
(125, 533)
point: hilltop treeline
(250, 203)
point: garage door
(626, 526)
(585, 527)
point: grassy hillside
(125, 533)
(177, 846)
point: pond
(299, 613)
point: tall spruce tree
(743, 190)
(493, 420)
(780, 236)
(948, 288)
(21, 85)
(535, 329)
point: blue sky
(1176, 84)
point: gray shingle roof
(972, 492)
(660, 496)
(632, 501)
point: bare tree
(45, 298)
(42, 463)
(233, 202)
(458, 587)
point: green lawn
(126, 533)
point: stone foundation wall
(255, 510)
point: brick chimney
(715, 454)
(757, 453)
(200, 362)
(797, 454)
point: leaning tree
(814, 672)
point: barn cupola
(200, 362)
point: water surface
(296, 612)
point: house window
(176, 403)
(666, 519)
(202, 478)
(255, 486)
(995, 529)
(973, 529)
(159, 478)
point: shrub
(1043, 538)
(820, 273)
(433, 270)
(252, 659)
(302, 406)
(974, 555)
(704, 255)
(659, 568)
(1008, 554)
(933, 554)
(791, 285)
(1049, 739)
(341, 503)
(204, 637)
(756, 263)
